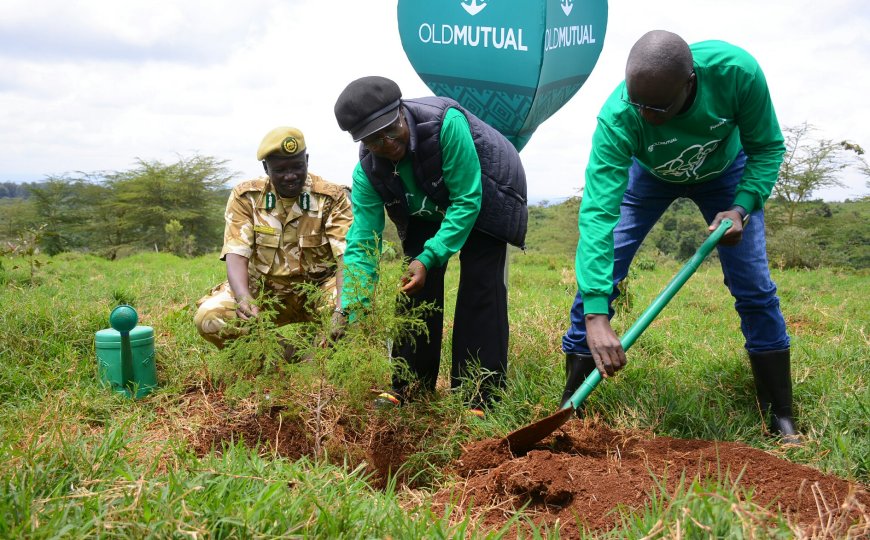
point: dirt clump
(581, 475)
(483, 455)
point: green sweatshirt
(461, 168)
(732, 110)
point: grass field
(78, 461)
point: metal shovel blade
(523, 439)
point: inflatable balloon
(513, 63)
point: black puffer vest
(503, 211)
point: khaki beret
(286, 141)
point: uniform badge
(290, 145)
(305, 201)
(264, 229)
(270, 201)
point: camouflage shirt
(287, 241)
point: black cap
(367, 105)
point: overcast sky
(93, 85)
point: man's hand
(245, 310)
(604, 345)
(414, 278)
(733, 235)
(237, 275)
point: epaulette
(319, 185)
(257, 184)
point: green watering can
(125, 354)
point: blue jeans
(745, 265)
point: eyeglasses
(641, 107)
(392, 132)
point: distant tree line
(178, 207)
(175, 207)
(833, 234)
(14, 190)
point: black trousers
(480, 324)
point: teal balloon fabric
(513, 63)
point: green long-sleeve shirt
(461, 168)
(732, 110)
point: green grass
(84, 491)
(79, 461)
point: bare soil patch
(581, 474)
(210, 424)
(577, 477)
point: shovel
(524, 438)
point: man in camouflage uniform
(282, 230)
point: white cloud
(93, 85)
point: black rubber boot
(577, 368)
(772, 373)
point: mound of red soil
(587, 470)
(583, 472)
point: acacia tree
(15, 215)
(52, 202)
(68, 206)
(103, 226)
(810, 164)
(151, 195)
(109, 212)
(864, 167)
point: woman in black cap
(451, 183)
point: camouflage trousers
(217, 308)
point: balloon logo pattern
(513, 63)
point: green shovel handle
(647, 317)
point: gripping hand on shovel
(604, 345)
(739, 218)
(599, 336)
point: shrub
(792, 247)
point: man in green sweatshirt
(451, 183)
(688, 121)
